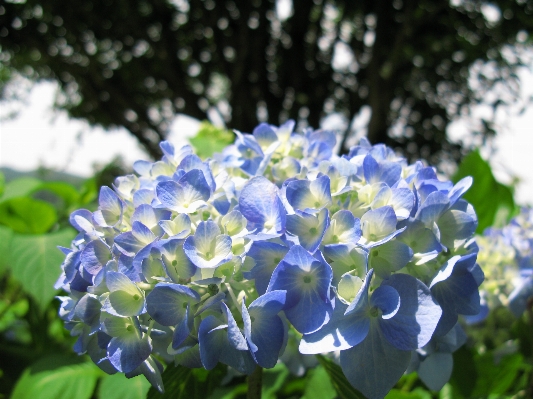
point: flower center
(313, 230)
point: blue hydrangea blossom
(274, 250)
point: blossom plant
(199, 262)
(506, 255)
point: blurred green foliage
(492, 200)
(210, 139)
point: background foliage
(417, 64)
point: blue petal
(126, 353)
(259, 202)
(186, 195)
(94, 256)
(459, 189)
(307, 282)
(308, 195)
(389, 257)
(215, 346)
(88, 310)
(387, 299)
(435, 370)
(110, 208)
(379, 223)
(344, 228)
(267, 256)
(432, 208)
(265, 135)
(176, 263)
(191, 162)
(165, 304)
(421, 240)
(415, 321)
(264, 329)
(84, 214)
(341, 332)
(374, 366)
(308, 228)
(520, 295)
(183, 329)
(142, 233)
(456, 225)
(456, 290)
(208, 248)
(386, 172)
(128, 244)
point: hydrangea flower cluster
(201, 262)
(507, 258)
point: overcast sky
(39, 136)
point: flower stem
(255, 382)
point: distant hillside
(43, 174)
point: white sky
(39, 136)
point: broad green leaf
(27, 215)
(210, 139)
(6, 235)
(340, 383)
(89, 191)
(20, 188)
(185, 383)
(117, 386)
(492, 200)
(496, 377)
(35, 262)
(57, 378)
(65, 191)
(318, 385)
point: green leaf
(20, 188)
(339, 381)
(501, 205)
(496, 377)
(27, 215)
(117, 386)
(210, 139)
(185, 383)
(464, 374)
(57, 378)
(67, 192)
(318, 385)
(2, 184)
(35, 262)
(6, 235)
(273, 380)
(417, 393)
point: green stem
(255, 383)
